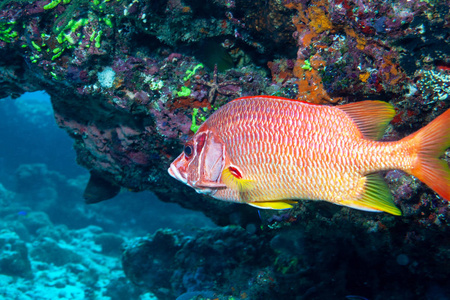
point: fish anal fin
(375, 197)
(371, 117)
(356, 205)
(286, 204)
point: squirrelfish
(269, 151)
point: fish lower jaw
(203, 191)
(173, 171)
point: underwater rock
(50, 251)
(14, 255)
(324, 254)
(196, 295)
(99, 189)
(170, 264)
(20, 229)
(55, 262)
(120, 288)
(110, 242)
(124, 78)
(36, 220)
(149, 261)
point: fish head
(201, 163)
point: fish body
(267, 151)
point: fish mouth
(173, 171)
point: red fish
(268, 151)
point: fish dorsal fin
(376, 197)
(371, 117)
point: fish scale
(277, 153)
(266, 151)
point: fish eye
(188, 150)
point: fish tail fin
(432, 141)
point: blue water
(30, 136)
(47, 234)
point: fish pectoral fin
(232, 178)
(287, 204)
(376, 197)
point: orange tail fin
(432, 141)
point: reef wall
(128, 78)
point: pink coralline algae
(168, 123)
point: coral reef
(14, 257)
(171, 264)
(128, 80)
(325, 253)
(54, 247)
(125, 76)
(59, 264)
(125, 95)
(41, 260)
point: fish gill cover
(125, 81)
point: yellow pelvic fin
(287, 204)
(376, 197)
(233, 180)
(371, 117)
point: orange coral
(314, 17)
(280, 72)
(310, 85)
(360, 40)
(310, 22)
(187, 102)
(364, 76)
(316, 61)
(186, 9)
(391, 74)
(320, 22)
